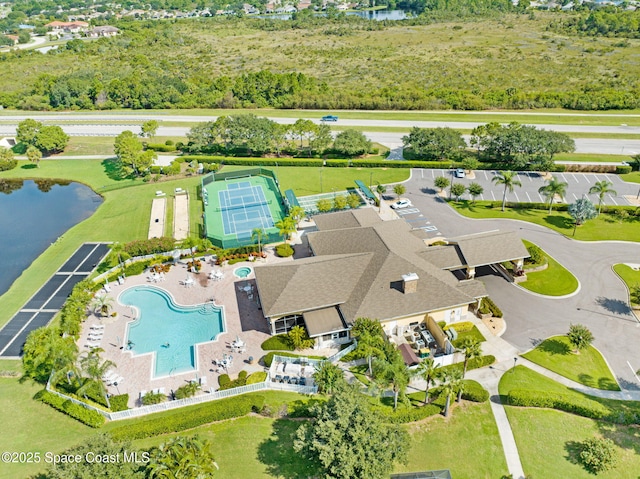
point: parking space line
(527, 193)
(596, 177)
(575, 177)
(585, 177)
(541, 198)
(485, 175)
(493, 196)
(575, 197)
(612, 199)
(433, 175)
(481, 197)
(563, 177)
(517, 199)
(529, 175)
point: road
(601, 303)
(390, 140)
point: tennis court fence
(229, 175)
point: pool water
(242, 272)
(168, 330)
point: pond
(34, 214)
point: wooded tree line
(610, 22)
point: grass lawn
(31, 426)
(588, 367)
(473, 333)
(547, 441)
(556, 280)
(103, 145)
(630, 276)
(588, 157)
(631, 177)
(604, 227)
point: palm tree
(452, 383)
(399, 190)
(258, 235)
(182, 458)
(601, 188)
(191, 244)
(508, 179)
(381, 190)
(297, 213)
(395, 374)
(327, 376)
(471, 349)
(102, 304)
(94, 367)
(429, 371)
(117, 249)
(369, 335)
(553, 188)
(286, 227)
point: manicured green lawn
(547, 441)
(588, 367)
(631, 277)
(631, 177)
(556, 280)
(604, 227)
(30, 426)
(589, 156)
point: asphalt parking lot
(578, 185)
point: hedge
(284, 250)
(6, 165)
(224, 380)
(473, 391)
(337, 163)
(268, 358)
(276, 343)
(404, 415)
(258, 377)
(80, 413)
(119, 403)
(160, 147)
(623, 169)
(474, 363)
(188, 418)
(488, 306)
(555, 400)
(149, 246)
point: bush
(473, 391)
(224, 380)
(536, 255)
(461, 327)
(268, 358)
(87, 416)
(474, 363)
(278, 342)
(160, 147)
(598, 455)
(623, 169)
(153, 398)
(258, 377)
(284, 250)
(554, 400)
(187, 390)
(6, 165)
(243, 375)
(488, 306)
(190, 417)
(149, 246)
(408, 414)
(119, 403)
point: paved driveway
(578, 184)
(601, 304)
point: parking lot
(578, 185)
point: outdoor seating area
(216, 275)
(156, 277)
(296, 371)
(189, 282)
(239, 346)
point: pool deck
(242, 318)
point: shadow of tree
(535, 341)
(607, 384)
(614, 305)
(573, 448)
(559, 221)
(112, 169)
(428, 191)
(587, 380)
(554, 346)
(29, 166)
(626, 437)
(278, 455)
(628, 385)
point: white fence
(340, 354)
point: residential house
(104, 31)
(60, 28)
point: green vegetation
(604, 227)
(588, 367)
(466, 330)
(277, 342)
(631, 278)
(556, 280)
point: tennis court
(237, 203)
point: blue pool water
(242, 272)
(168, 330)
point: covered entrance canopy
(476, 250)
(323, 321)
(365, 191)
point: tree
(353, 200)
(457, 190)
(51, 139)
(635, 163)
(149, 128)
(598, 454)
(328, 377)
(182, 458)
(103, 304)
(340, 202)
(441, 182)
(303, 128)
(508, 179)
(257, 235)
(118, 254)
(470, 163)
(348, 440)
(394, 373)
(34, 155)
(634, 294)
(369, 334)
(434, 143)
(286, 227)
(322, 138)
(601, 188)
(324, 205)
(99, 446)
(553, 188)
(94, 368)
(429, 371)
(399, 189)
(580, 337)
(451, 385)
(132, 159)
(381, 190)
(280, 137)
(471, 349)
(45, 350)
(475, 190)
(581, 211)
(190, 243)
(351, 143)
(27, 131)
(299, 338)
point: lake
(34, 214)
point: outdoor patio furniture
(278, 378)
(94, 344)
(302, 381)
(97, 327)
(293, 380)
(286, 379)
(143, 394)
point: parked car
(398, 205)
(459, 173)
(329, 118)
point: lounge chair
(286, 379)
(109, 376)
(293, 380)
(98, 327)
(278, 378)
(92, 344)
(107, 288)
(161, 390)
(302, 381)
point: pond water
(33, 214)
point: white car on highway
(400, 204)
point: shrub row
(149, 246)
(268, 358)
(304, 407)
(277, 343)
(119, 403)
(405, 415)
(159, 147)
(461, 327)
(86, 416)
(474, 363)
(623, 169)
(257, 377)
(488, 306)
(284, 250)
(187, 418)
(473, 391)
(554, 400)
(225, 381)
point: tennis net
(244, 205)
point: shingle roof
(491, 247)
(347, 219)
(445, 257)
(323, 321)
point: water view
(33, 214)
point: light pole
(515, 360)
(321, 180)
(370, 178)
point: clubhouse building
(361, 266)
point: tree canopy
(435, 143)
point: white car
(459, 173)
(398, 205)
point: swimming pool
(242, 272)
(169, 331)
